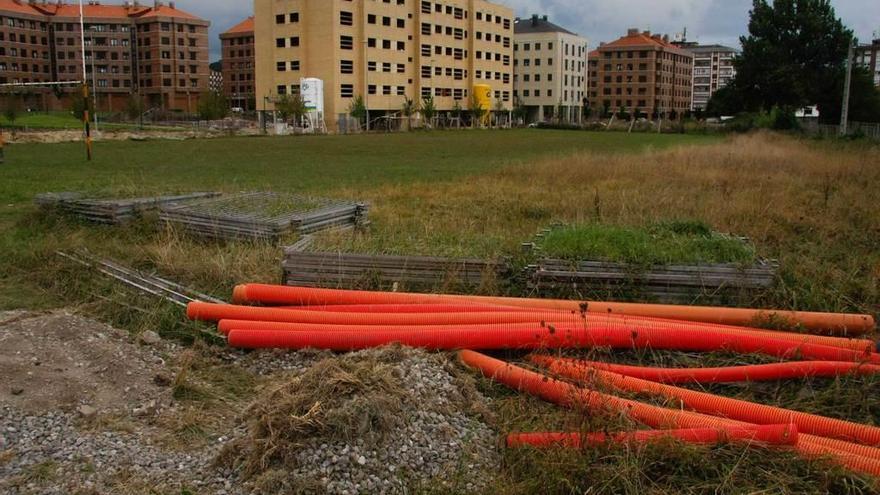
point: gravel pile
(440, 441)
(50, 454)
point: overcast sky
(707, 21)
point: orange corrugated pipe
(783, 434)
(536, 336)
(856, 457)
(461, 307)
(733, 374)
(861, 345)
(716, 405)
(304, 296)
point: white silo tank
(312, 91)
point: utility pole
(94, 76)
(85, 85)
(844, 109)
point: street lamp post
(92, 30)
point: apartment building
(868, 56)
(713, 70)
(641, 72)
(238, 64)
(385, 51)
(549, 70)
(158, 52)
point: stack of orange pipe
(299, 318)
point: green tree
(429, 110)
(293, 107)
(477, 110)
(864, 100)
(213, 106)
(358, 109)
(794, 56)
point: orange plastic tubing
(860, 345)
(303, 296)
(716, 405)
(856, 457)
(417, 308)
(786, 434)
(216, 312)
(734, 374)
(533, 337)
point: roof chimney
(632, 32)
(534, 19)
(545, 18)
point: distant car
(237, 110)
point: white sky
(707, 21)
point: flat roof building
(158, 52)
(641, 72)
(384, 51)
(713, 70)
(549, 70)
(237, 44)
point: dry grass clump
(345, 398)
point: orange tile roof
(94, 11)
(20, 7)
(245, 26)
(641, 39)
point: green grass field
(322, 163)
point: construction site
(398, 313)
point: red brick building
(158, 53)
(238, 64)
(641, 71)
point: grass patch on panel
(674, 242)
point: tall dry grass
(811, 205)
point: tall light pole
(844, 109)
(92, 30)
(85, 84)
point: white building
(713, 70)
(549, 70)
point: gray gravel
(440, 445)
(52, 453)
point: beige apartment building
(641, 72)
(385, 51)
(550, 70)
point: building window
(346, 18)
(346, 42)
(346, 90)
(346, 67)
